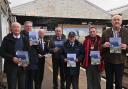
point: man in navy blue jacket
(41, 49)
(72, 55)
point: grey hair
(26, 22)
(58, 27)
(42, 30)
(113, 16)
(16, 23)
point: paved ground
(47, 82)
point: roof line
(124, 11)
(23, 4)
(118, 8)
(62, 17)
(97, 7)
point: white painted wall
(5, 25)
(4, 29)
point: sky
(104, 4)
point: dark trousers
(41, 71)
(56, 66)
(114, 71)
(14, 76)
(36, 76)
(32, 76)
(93, 77)
(72, 79)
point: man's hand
(123, 46)
(24, 65)
(65, 60)
(16, 60)
(76, 60)
(56, 50)
(30, 43)
(40, 56)
(106, 45)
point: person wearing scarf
(92, 42)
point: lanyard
(115, 33)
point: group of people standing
(67, 57)
(23, 75)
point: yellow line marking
(50, 68)
(59, 77)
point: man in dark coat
(72, 46)
(41, 49)
(114, 61)
(56, 44)
(27, 28)
(12, 43)
(35, 69)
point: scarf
(87, 44)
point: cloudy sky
(105, 4)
